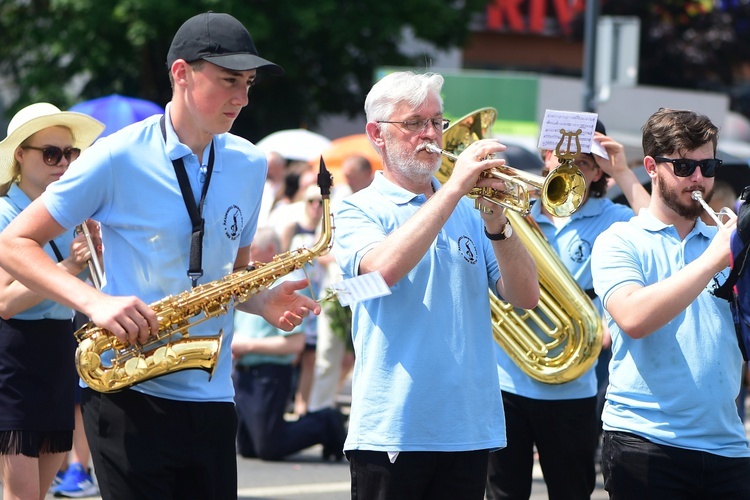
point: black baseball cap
(219, 39)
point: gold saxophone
(568, 334)
(172, 349)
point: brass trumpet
(562, 191)
(716, 216)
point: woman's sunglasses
(684, 167)
(51, 155)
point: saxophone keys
(135, 365)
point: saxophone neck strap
(194, 210)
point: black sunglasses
(51, 155)
(684, 167)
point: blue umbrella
(116, 111)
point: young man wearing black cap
(172, 436)
(560, 420)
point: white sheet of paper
(362, 287)
(570, 121)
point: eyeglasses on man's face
(51, 155)
(684, 167)
(416, 125)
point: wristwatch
(504, 234)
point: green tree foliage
(65, 51)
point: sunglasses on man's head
(684, 167)
(51, 155)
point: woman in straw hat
(37, 376)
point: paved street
(307, 477)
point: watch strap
(498, 236)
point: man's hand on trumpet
(80, 253)
(90, 231)
(475, 159)
(719, 251)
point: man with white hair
(426, 407)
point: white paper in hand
(362, 287)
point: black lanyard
(195, 211)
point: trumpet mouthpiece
(433, 148)
(697, 195)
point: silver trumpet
(95, 267)
(716, 216)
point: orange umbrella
(344, 147)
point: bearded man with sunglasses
(671, 427)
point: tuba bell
(560, 339)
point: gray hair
(401, 87)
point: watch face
(508, 230)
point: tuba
(560, 338)
(172, 348)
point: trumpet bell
(565, 188)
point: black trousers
(145, 447)
(565, 434)
(634, 467)
(418, 475)
(261, 395)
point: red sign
(530, 15)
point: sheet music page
(570, 121)
(362, 287)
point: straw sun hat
(39, 116)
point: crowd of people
(439, 409)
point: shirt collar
(590, 208)
(176, 150)
(396, 193)
(18, 197)
(650, 223)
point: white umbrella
(295, 144)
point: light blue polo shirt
(252, 326)
(10, 206)
(424, 372)
(677, 386)
(572, 242)
(126, 181)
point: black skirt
(37, 385)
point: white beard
(403, 162)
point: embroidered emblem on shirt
(579, 250)
(233, 222)
(467, 249)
